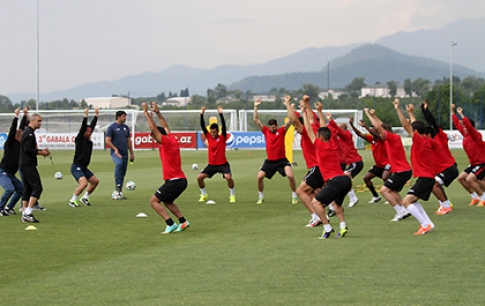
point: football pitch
(234, 253)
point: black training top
(84, 146)
(28, 148)
(11, 148)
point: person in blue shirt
(119, 141)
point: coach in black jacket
(28, 167)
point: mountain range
(377, 64)
(424, 53)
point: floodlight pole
(38, 70)
(453, 43)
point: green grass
(233, 254)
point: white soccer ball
(58, 175)
(116, 195)
(195, 167)
(131, 185)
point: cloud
(234, 21)
(94, 40)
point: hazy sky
(84, 41)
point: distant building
(335, 94)
(108, 102)
(382, 91)
(177, 101)
(226, 100)
(265, 98)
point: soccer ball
(195, 167)
(58, 175)
(116, 195)
(131, 185)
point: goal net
(246, 122)
(69, 121)
(60, 127)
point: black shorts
(210, 170)
(271, 166)
(447, 176)
(355, 168)
(422, 188)
(32, 183)
(377, 171)
(398, 179)
(335, 190)
(171, 190)
(478, 170)
(313, 178)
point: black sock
(182, 219)
(169, 221)
(373, 190)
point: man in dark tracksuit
(28, 167)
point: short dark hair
(418, 126)
(272, 122)
(387, 127)
(119, 114)
(429, 130)
(161, 130)
(213, 126)
(325, 132)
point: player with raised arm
(216, 150)
(444, 163)
(401, 170)
(382, 167)
(82, 157)
(353, 160)
(276, 160)
(9, 165)
(337, 182)
(422, 168)
(472, 177)
(313, 181)
(175, 179)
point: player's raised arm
(375, 121)
(25, 118)
(292, 115)
(151, 124)
(356, 130)
(308, 126)
(161, 119)
(289, 109)
(256, 120)
(286, 102)
(319, 108)
(94, 121)
(202, 121)
(410, 110)
(404, 122)
(220, 111)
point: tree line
(468, 93)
